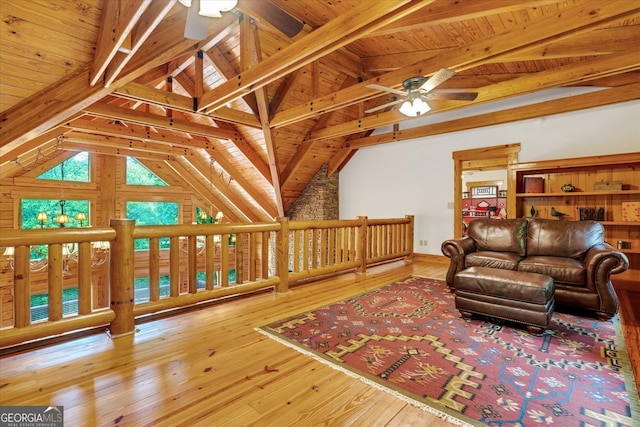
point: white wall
(416, 177)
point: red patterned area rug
(407, 338)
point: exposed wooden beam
(335, 34)
(233, 203)
(90, 141)
(175, 101)
(135, 116)
(226, 70)
(557, 106)
(304, 149)
(118, 19)
(137, 132)
(444, 11)
(113, 151)
(566, 75)
(71, 94)
(149, 20)
(571, 21)
(265, 201)
(252, 49)
(598, 42)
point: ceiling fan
(418, 90)
(201, 10)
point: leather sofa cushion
(557, 238)
(502, 260)
(510, 285)
(563, 270)
(499, 235)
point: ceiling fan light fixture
(214, 8)
(414, 106)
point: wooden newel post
(282, 255)
(409, 238)
(362, 245)
(122, 277)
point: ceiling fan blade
(386, 89)
(383, 106)
(277, 17)
(437, 79)
(196, 26)
(456, 96)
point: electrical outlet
(423, 243)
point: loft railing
(198, 262)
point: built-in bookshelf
(603, 188)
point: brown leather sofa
(573, 253)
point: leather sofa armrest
(601, 261)
(456, 249)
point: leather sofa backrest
(499, 235)
(563, 238)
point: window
(75, 168)
(31, 207)
(138, 174)
(153, 213)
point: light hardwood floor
(209, 367)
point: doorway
(478, 160)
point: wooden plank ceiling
(247, 116)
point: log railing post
(362, 245)
(408, 241)
(282, 255)
(122, 277)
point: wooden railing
(264, 255)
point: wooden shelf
(579, 193)
(630, 251)
(586, 173)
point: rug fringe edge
(442, 415)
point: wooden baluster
(154, 269)
(84, 277)
(174, 266)
(55, 267)
(239, 259)
(315, 237)
(210, 261)
(22, 286)
(265, 254)
(296, 250)
(224, 261)
(253, 256)
(192, 264)
(306, 237)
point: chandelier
(99, 255)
